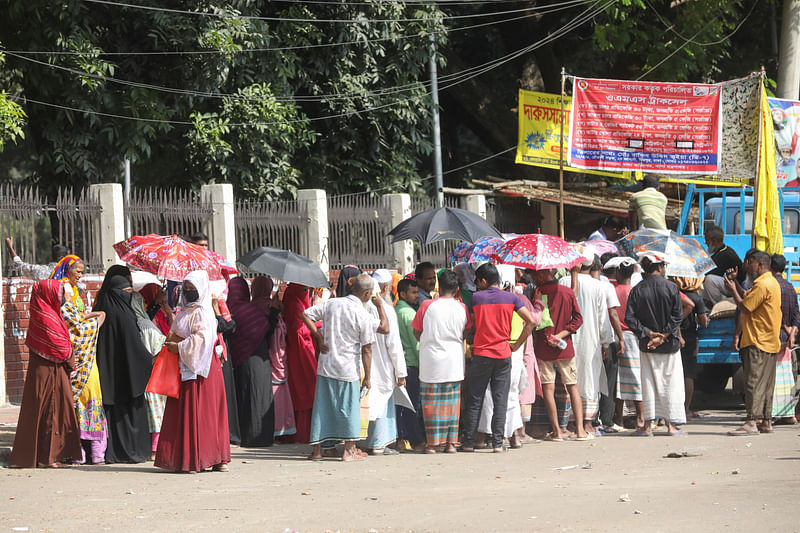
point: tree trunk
(789, 59)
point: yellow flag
(767, 231)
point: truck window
(791, 221)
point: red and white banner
(665, 128)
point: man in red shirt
(492, 310)
(566, 317)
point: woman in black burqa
(124, 364)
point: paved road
(732, 484)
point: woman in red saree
(47, 431)
(301, 358)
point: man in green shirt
(648, 207)
(411, 431)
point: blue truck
(732, 210)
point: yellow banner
(539, 137)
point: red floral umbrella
(538, 252)
(168, 257)
(224, 264)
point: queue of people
(433, 362)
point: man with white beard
(388, 373)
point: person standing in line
(301, 358)
(124, 363)
(345, 344)
(648, 207)
(194, 434)
(47, 431)
(591, 340)
(425, 276)
(226, 326)
(153, 340)
(629, 375)
(440, 326)
(252, 368)
(492, 310)
(556, 357)
(758, 340)
(34, 271)
(654, 315)
(784, 398)
(388, 372)
(692, 289)
(410, 424)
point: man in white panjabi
(388, 373)
(592, 339)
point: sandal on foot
(552, 438)
(640, 433)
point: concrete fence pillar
(221, 228)
(402, 252)
(316, 234)
(110, 227)
(476, 203)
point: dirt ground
(730, 484)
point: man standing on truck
(725, 258)
(648, 207)
(758, 340)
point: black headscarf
(122, 358)
(114, 270)
(350, 271)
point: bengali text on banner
(664, 128)
(539, 134)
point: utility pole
(789, 57)
(126, 190)
(437, 140)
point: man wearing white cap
(654, 315)
(388, 373)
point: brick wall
(16, 296)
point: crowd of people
(458, 359)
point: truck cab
(732, 210)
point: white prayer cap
(616, 262)
(382, 276)
(654, 257)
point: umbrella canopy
(600, 246)
(443, 223)
(538, 252)
(481, 251)
(684, 257)
(286, 266)
(227, 268)
(167, 256)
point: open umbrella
(441, 224)
(167, 256)
(684, 257)
(538, 252)
(224, 265)
(600, 246)
(481, 251)
(286, 266)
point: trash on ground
(625, 498)
(681, 455)
(568, 467)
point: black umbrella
(286, 266)
(444, 223)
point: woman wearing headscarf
(252, 368)
(153, 340)
(86, 392)
(47, 432)
(70, 270)
(124, 363)
(346, 274)
(261, 292)
(301, 359)
(155, 301)
(226, 326)
(194, 435)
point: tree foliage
(12, 118)
(269, 107)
